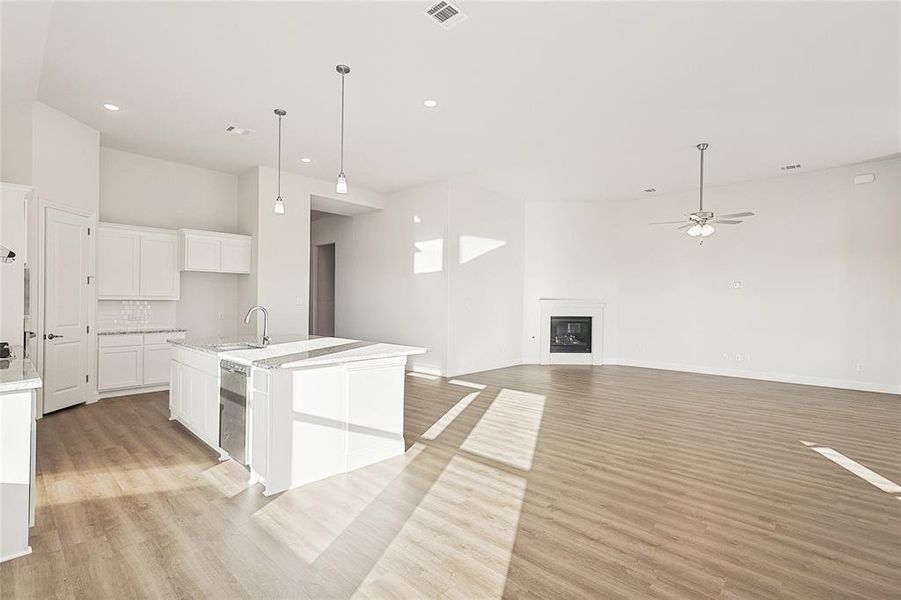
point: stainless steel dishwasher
(233, 409)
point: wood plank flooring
(551, 482)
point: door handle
(53, 336)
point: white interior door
(66, 310)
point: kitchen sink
(237, 346)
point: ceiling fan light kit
(700, 223)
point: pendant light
(341, 183)
(279, 207)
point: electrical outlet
(737, 285)
(221, 315)
(858, 367)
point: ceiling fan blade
(735, 215)
(725, 221)
(686, 226)
(667, 222)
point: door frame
(40, 305)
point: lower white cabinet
(120, 367)
(194, 394)
(134, 360)
(156, 364)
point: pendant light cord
(342, 123)
(279, 157)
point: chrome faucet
(265, 321)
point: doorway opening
(322, 290)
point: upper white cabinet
(215, 252)
(118, 263)
(159, 265)
(136, 263)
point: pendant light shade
(279, 207)
(341, 183)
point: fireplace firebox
(571, 334)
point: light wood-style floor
(551, 482)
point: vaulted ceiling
(550, 100)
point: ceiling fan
(700, 223)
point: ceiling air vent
(238, 131)
(446, 14)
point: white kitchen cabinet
(132, 361)
(194, 394)
(235, 255)
(136, 263)
(159, 275)
(156, 364)
(215, 252)
(118, 263)
(120, 367)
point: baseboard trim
(132, 391)
(425, 370)
(843, 384)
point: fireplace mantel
(571, 307)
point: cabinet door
(120, 367)
(235, 255)
(118, 263)
(159, 266)
(210, 430)
(156, 364)
(202, 253)
(173, 388)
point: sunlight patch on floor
(508, 431)
(437, 546)
(228, 477)
(310, 518)
(422, 375)
(469, 384)
(444, 422)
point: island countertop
(296, 351)
(17, 372)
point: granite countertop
(287, 352)
(17, 372)
(149, 329)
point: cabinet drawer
(113, 341)
(162, 338)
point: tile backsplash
(135, 313)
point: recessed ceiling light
(111, 107)
(430, 103)
(304, 159)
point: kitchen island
(18, 435)
(312, 406)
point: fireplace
(571, 334)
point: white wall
(140, 190)
(391, 273)
(441, 266)
(65, 160)
(570, 252)
(248, 224)
(819, 265)
(65, 170)
(485, 285)
(145, 191)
